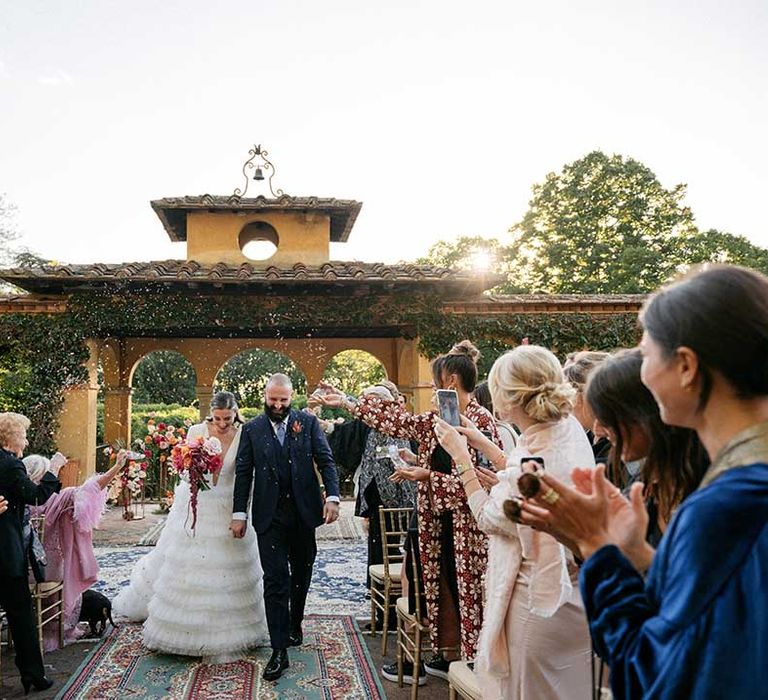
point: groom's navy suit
(287, 506)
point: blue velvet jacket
(698, 626)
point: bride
(200, 594)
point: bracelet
(503, 458)
(463, 468)
(469, 481)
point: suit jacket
(256, 466)
(20, 492)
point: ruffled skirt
(199, 594)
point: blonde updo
(530, 377)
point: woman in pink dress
(70, 517)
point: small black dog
(96, 609)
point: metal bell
(258, 174)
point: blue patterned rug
(338, 583)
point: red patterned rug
(332, 664)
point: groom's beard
(276, 415)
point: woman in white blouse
(534, 643)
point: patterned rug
(347, 527)
(333, 664)
(338, 582)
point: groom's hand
(237, 528)
(330, 512)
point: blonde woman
(577, 370)
(14, 587)
(534, 644)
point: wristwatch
(461, 469)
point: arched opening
(258, 240)
(353, 370)
(162, 408)
(246, 374)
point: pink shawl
(70, 517)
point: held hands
(330, 512)
(237, 528)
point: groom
(276, 455)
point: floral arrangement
(194, 460)
(157, 445)
(130, 480)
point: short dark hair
(461, 360)
(676, 460)
(721, 313)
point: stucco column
(204, 394)
(76, 434)
(414, 375)
(117, 414)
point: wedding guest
(672, 460)
(70, 517)
(695, 626)
(507, 433)
(15, 597)
(375, 489)
(453, 551)
(534, 642)
(577, 369)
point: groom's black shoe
(277, 663)
(296, 638)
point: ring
(550, 496)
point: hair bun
(467, 348)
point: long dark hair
(676, 460)
(721, 313)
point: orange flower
(148, 439)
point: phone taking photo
(538, 460)
(448, 406)
(482, 460)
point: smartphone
(448, 406)
(482, 460)
(538, 460)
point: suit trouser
(287, 550)
(16, 600)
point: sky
(438, 115)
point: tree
(246, 374)
(721, 247)
(603, 224)
(164, 376)
(353, 370)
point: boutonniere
(297, 427)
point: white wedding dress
(200, 594)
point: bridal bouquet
(194, 461)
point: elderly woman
(70, 517)
(15, 597)
(534, 643)
(695, 627)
